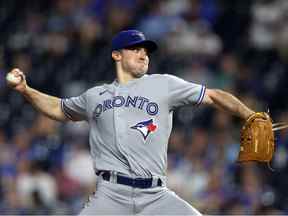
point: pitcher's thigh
(100, 204)
(170, 204)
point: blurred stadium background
(63, 47)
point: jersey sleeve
(182, 92)
(74, 108)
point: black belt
(133, 182)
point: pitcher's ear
(116, 55)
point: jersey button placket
(118, 119)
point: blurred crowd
(63, 46)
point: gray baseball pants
(117, 199)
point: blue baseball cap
(129, 38)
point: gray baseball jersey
(130, 124)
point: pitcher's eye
(137, 49)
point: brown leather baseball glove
(257, 139)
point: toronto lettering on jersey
(138, 102)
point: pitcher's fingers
(279, 127)
(22, 75)
(16, 71)
(279, 124)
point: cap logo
(139, 34)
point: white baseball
(12, 79)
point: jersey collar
(129, 83)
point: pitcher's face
(135, 61)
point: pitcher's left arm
(227, 102)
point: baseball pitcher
(130, 122)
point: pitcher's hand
(16, 80)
